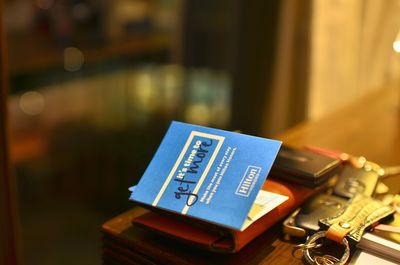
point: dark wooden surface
(8, 249)
(370, 127)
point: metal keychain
(325, 259)
(311, 243)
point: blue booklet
(209, 174)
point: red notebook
(221, 239)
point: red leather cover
(221, 239)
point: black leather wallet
(304, 167)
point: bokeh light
(73, 59)
(32, 103)
(396, 46)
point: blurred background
(93, 86)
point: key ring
(301, 247)
(326, 259)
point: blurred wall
(351, 51)
(329, 53)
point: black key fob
(354, 181)
(318, 207)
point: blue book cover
(207, 173)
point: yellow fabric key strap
(359, 214)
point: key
(390, 171)
(345, 228)
(305, 220)
(385, 172)
(358, 177)
(350, 183)
(319, 207)
(358, 180)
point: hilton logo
(248, 181)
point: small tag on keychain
(347, 227)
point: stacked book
(125, 243)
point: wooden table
(370, 127)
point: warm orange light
(396, 46)
(396, 43)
